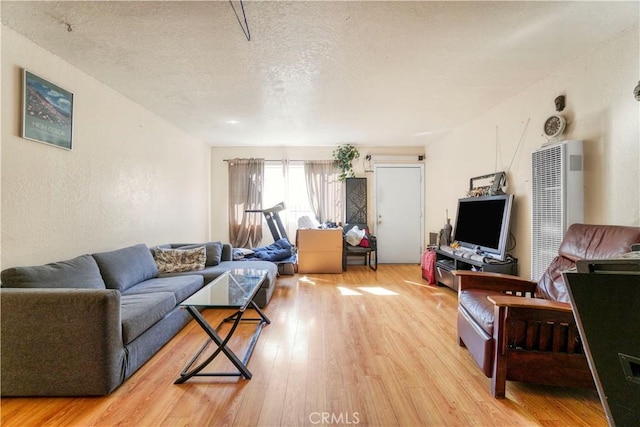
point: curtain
(246, 177)
(324, 190)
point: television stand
(449, 259)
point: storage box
(319, 251)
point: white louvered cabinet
(557, 199)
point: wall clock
(554, 126)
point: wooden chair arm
(498, 282)
(510, 301)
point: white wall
(601, 111)
(130, 178)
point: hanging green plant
(343, 158)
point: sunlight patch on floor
(373, 290)
(377, 290)
(347, 291)
(422, 285)
(305, 279)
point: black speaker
(606, 306)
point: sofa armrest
(497, 282)
(60, 342)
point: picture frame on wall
(47, 112)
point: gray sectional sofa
(83, 326)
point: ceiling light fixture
(245, 27)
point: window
(285, 182)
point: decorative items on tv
(445, 232)
(487, 185)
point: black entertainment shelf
(449, 259)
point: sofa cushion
(272, 268)
(141, 311)
(179, 260)
(475, 303)
(79, 272)
(227, 252)
(214, 250)
(214, 253)
(126, 267)
(181, 286)
(208, 273)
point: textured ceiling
(319, 73)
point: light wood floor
(359, 348)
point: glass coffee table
(232, 289)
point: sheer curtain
(246, 177)
(324, 190)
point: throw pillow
(122, 268)
(214, 251)
(180, 260)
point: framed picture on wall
(47, 112)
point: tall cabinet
(557, 199)
(356, 201)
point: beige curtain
(324, 190)
(246, 177)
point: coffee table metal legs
(191, 371)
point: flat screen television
(482, 224)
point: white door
(398, 212)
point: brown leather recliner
(519, 330)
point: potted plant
(343, 157)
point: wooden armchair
(520, 330)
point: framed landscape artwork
(47, 112)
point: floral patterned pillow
(180, 260)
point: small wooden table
(233, 289)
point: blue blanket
(276, 251)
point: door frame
(374, 197)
